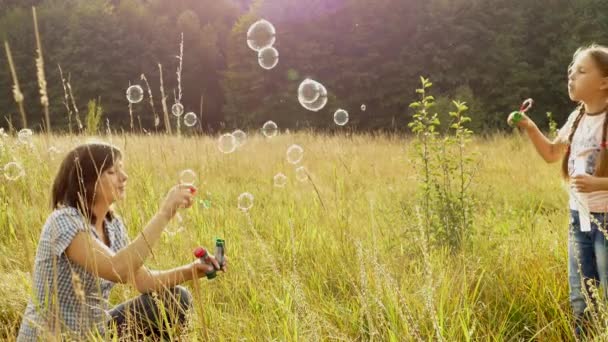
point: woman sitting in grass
(84, 250)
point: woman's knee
(183, 297)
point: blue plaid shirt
(65, 295)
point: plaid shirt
(65, 295)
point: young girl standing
(582, 146)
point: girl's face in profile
(585, 79)
(111, 185)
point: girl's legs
(582, 264)
(150, 314)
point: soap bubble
(25, 135)
(245, 201)
(261, 34)
(280, 180)
(175, 227)
(309, 91)
(177, 109)
(13, 171)
(363, 107)
(268, 57)
(301, 174)
(240, 136)
(226, 143)
(205, 201)
(190, 119)
(270, 129)
(341, 117)
(187, 177)
(53, 151)
(318, 103)
(135, 94)
(295, 153)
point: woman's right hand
(525, 121)
(180, 196)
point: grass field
(338, 257)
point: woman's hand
(200, 269)
(585, 183)
(180, 196)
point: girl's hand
(180, 196)
(585, 183)
(525, 122)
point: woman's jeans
(151, 315)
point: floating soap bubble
(240, 136)
(190, 119)
(135, 94)
(54, 150)
(301, 174)
(177, 109)
(13, 171)
(280, 180)
(175, 227)
(341, 117)
(268, 57)
(245, 201)
(295, 153)
(363, 107)
(25, 135)
(226, 143)
(187, 177)
(205, 201)
(261, 34)
(318, 103)
(309, 91)
(270, 129)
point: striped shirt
(65, 296)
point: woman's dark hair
(74, 184)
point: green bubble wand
(518, 115)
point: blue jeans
(587, 258)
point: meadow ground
(337, 257)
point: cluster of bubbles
(261, 37)
(190, 118)
(312, 95)
(188, 177)
(230, 142)
(135, 94)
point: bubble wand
(518, 115)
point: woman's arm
(121, 267)
(147, 280)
